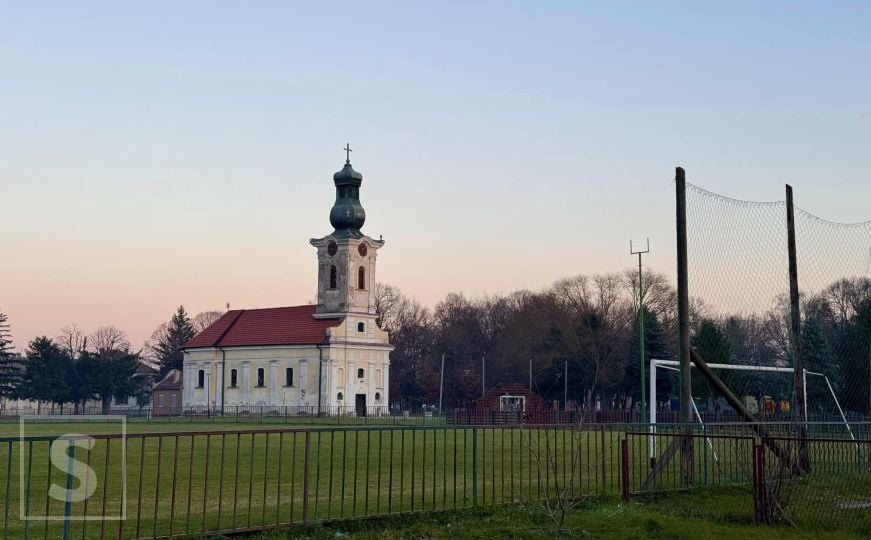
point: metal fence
(164, 485)
(253, 414)
(222, 482)
(820, 483)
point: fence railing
(820, 483)
(220, 482)
(157, 485)
(256, 414)
(379, 415)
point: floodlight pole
(641, 327)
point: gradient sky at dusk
(162, 153)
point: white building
(330, 357)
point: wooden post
(624, 469)
(795, 327)
(683, 321)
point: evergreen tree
(854, 350)
(109, 374)
(47, 373)
(817, 357)
(168, 340)
(712, 345)
(655, 346)
(10, 364)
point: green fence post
(68, 504)
(474, 467)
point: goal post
(673, 365)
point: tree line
(589, 324)
(76, 366)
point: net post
(683, 318)
(795, 327)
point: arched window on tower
(361, 278)
(333, 276)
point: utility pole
(795, 326)
(441, 384)
(683, 323)
(483, 375)
(530, 373)
(641, 328)
(566, 387)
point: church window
(333, 276)
(288, 377)
(361, 278)
(339, 397)
(201, 378)
(361, 327)
(377, 396)
(361, 373)
(234, 378)
(261, 376)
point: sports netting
(738, 269)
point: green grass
(250, 478)
(595, 518)
(247, 478)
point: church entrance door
(360, 404)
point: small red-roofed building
(166, 396)
(326, 358)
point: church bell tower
(346, 257)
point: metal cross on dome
(348, 151)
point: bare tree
(109, 338)
(388, 303)
(597, 317)
(206, 319)
(72, 339)
(555, 453)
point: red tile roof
(172, 381)
(293, 325)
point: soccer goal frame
(674, 365)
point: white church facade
(328, 358)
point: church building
(328, 358)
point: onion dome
(347, 215)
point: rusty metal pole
(624, 469)
(683, 320)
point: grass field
(596, 518)
(250, 478)
(223, 477)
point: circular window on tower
(332, 248)
(363, 250)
